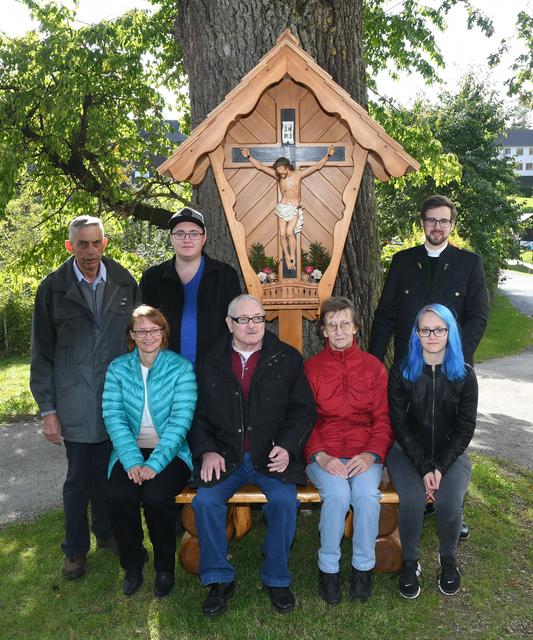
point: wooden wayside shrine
(288, 106)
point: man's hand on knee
(212, 462)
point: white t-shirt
(148, 437)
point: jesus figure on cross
(289, 209)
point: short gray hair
(83, 221)
(244, 297)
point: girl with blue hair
(433, 406)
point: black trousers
(86, 481)
(157, 496)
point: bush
(15, 323)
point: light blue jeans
(362, 493)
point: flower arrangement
(264, 266)
(315, 262)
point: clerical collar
(435, 253)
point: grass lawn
(494, 601)
(16, 401)
(508, 331)
(527, 203)
(527, 256)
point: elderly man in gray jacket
(80, 322)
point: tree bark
(221, 41)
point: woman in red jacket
(347, 447)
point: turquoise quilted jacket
(172, 396)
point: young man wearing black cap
(191, 289)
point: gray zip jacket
(70, 350)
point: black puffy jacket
(433, 419)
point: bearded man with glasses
(255, 411)
(191, 289)
(435, 272)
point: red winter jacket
(350, 389)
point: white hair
(83, 221)
(244, 297)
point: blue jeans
(362, 493)
(210, 508)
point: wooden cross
(288, 146)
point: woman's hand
(432, 483)
(147, 473)
(360, 463)
(134, 474)
(331, 464)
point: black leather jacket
(433, 419)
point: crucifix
(283, 158)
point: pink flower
(309, 270)
(266, 270)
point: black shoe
(361, 585)
(217, 598)
(329, 587)
(282, 599)
(429, 510)
(164, 583)
(132, 581)
(465, 531)
(408, 583)
(449, 578)
(108, 543)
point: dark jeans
(448, 502)
(158, 498)
(210, 509)
(86, 481)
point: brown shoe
(74, 566)
(108, 543)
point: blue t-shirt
(189, 318)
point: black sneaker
(361, 585)
(448, 578)
(465, 531)
(408, 582)
(329, 587)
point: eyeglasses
(181, 235)
(444, 223)
(438, 332)
(344, 325)
(142, 333)
(246, 319)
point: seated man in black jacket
(255, 411)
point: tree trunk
(224, 39)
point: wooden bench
(239, 522)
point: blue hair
(453, 365)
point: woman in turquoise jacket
(148, 404)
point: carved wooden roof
(385, 156)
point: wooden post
(290, 327)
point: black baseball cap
(187, 215)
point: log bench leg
(239, 522)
